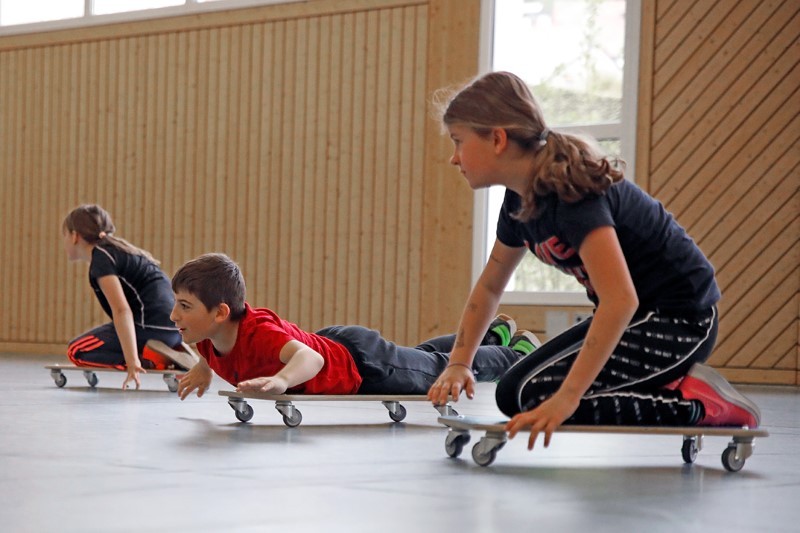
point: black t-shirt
(668, 270)
(147, 289)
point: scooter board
(90, 373)
(485, 451)
(292, 417)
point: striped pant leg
(654, 351)
(98, 347)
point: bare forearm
(303, 366)
(484, 300)
(475, 320)
(126, 332)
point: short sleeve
(578, 219)
(103, 264)
(507, 226)
(267, 340)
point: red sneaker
(724, 405)
(165, 358)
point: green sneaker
(501, 330)
(524, 342)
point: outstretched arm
(478, 313)
(122, 317)
(602, 256)
(301, 364)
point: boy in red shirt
(256, 350)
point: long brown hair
(568, 165)
(94, 225)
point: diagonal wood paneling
(723, 110)
(682, 41)
(721, 117)
(685, 85)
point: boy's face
(192, 318)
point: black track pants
(655, 350)
(387, 368)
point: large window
(579, 59)
(22, 16)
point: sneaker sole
(720, 385)
(183, 360)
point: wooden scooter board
(484, 452)
(292, 417)
(89, 372)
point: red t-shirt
(262, 334)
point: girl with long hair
(132, 290)
(638, 360)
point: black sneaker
(501, 330)
(524, 342)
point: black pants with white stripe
(655, 350)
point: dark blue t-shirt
(147, 289)
(668, 270)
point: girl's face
(474, 156)
(70, 240)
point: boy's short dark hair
(214, 279)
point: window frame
(625, 130)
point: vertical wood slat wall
(720, 124)
(290, 137)
(280, 134)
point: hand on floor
(133, 375)
(198, 378)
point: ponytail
(567, 165)
(94, 225)
(570, 166)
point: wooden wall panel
(293, 138)
(297, 139)
(720, 117)
(445, 199)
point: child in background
(638, 360)
(256, 350)
(132, 290)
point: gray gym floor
(81, 459)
